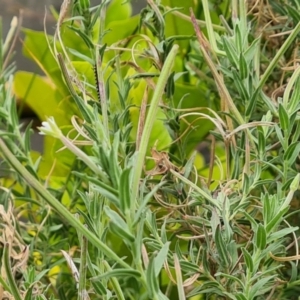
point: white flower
(50, 128)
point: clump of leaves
(163, 226)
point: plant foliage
(120, 204)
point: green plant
(168, 227)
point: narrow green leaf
(270, 270)
(41, 274)
(252, 50)
(145, 200)
(248, 259)
(230, 52)
(104, 159)
(151, 220)
(4, 283)
(187, 266)
(279, 134)
(117, 273)
(281, 233)
(85, 37)
(261, 142)
(221, 247)
(238, 38)
(81, 56)
(28, 295)
(118, 225)
(102, 51)
(259, 287)
(82, 288)
(231, 277)
(152, 279)
(240, 296)
(114, 167)
(90, 131)
(232, 248)
(179, 281)
(243, 68)
(99, 288)
(163, 232)
(13, 116)
(197, 189)
(122, 233)
(293, 104)
(292, 153)
(261, 237)
(251, 220)
(27, 134)
(170, 86)
(85, 198)
(283, 118)
(161, 258)
(115, 284)
(251, 104)
(294, 271)
(87, 220)
(190, 165)
(295, 183)
(293, 12)
(276, 220)
(240, 86)
(124, 190)
(104, 189)
(269, 206)
(236, 170)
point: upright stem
(151, 117)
